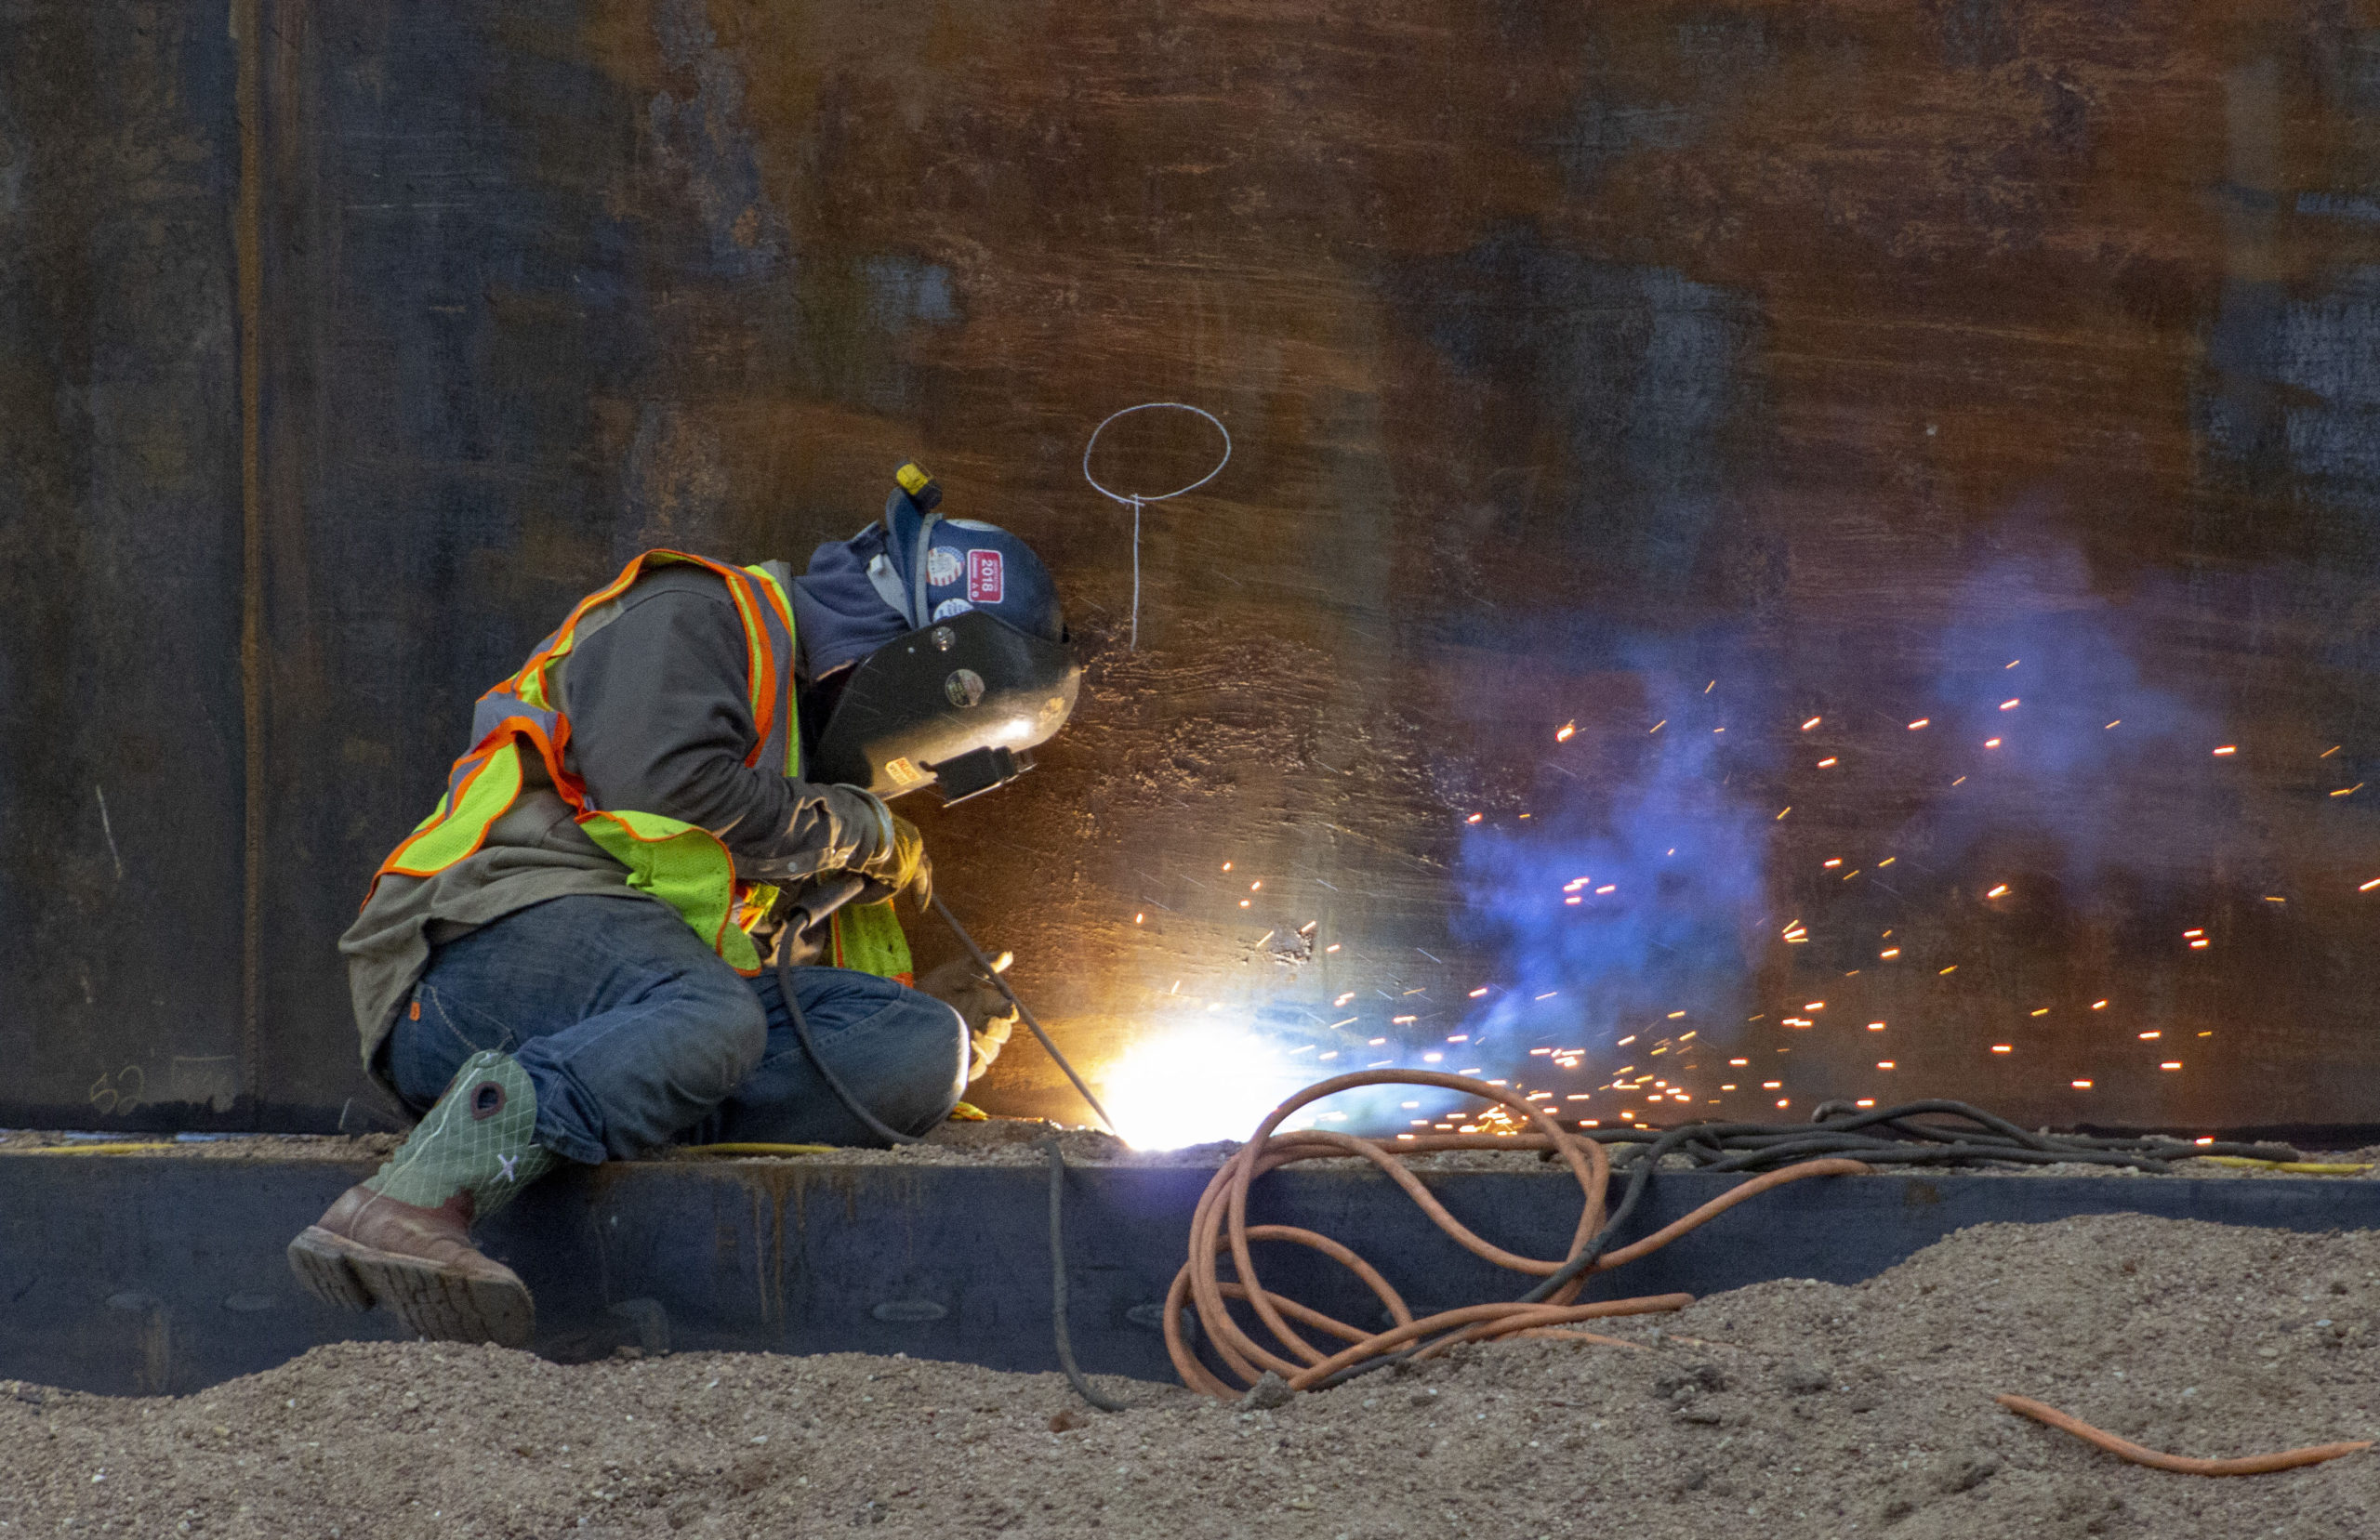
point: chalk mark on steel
(1137, 500)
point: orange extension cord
(2251, 1464)
(1221, 1224)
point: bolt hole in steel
(1137, 500)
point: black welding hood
(982, 673)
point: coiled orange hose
(1221, 1226)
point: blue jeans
(635, 1035)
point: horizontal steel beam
(142, 1274)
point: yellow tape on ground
(2296, 1169)
(748, 1148)
(88, 1149)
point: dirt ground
(1792, 1409)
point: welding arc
(1002, 984)
(1220, 1225)
(2251, 1465)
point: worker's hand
(989, 1016)
(902, 861)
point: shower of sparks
(1565, 732)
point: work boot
(402, 1237)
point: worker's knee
(724, 1035)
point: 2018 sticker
(985, 582)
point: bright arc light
(1191, 1086)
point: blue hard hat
(934, 567)
(860, 593)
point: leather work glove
(901, 862)
(989, 1016)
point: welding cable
(1219, 1227)
(1002, 984)
(834, 1082)
(1074, 1377)
(2251, 1464)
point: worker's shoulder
(677, 583)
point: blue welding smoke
(1630, 901)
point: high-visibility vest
(682, 864)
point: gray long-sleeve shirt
(656, 689)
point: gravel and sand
(1790, 1409)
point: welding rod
(1002, 984)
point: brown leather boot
(369, 1248)
(402, 1238)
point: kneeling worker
(633, 919)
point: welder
(656, 903)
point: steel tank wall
(1572, 359)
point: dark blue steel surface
(140, 1274)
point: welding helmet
(958, 667)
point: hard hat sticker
(942, 566)
(985, 579)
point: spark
(2171, 1064)
(1673, 1015)
(2003, 1047)
(1811, 723)
(1462, 1037)
(1341, 1003)
(1922, 721)
(1883, 1063)
(1837, 862)
(1876, 1026)
(1566, 731)
(1332, 947)
(1887, 862)
(1889, 952)
(1784, 1101)
(2014, 662)
(1726, 1087)
(1574, 899)
(2274, 898)
(1474, 818)
(2328, 752)
(2098, 1005)
(1789, 808)
(1824, 763)
(1138, 918)
(1480, 990)
(1814, 1005)
(2369, 886)
(1226, 865)
(1400, 1021)
(1625, 1041)
(1243, 903)
(1738, 1063)
(2008, 705)
(2227, 748)
(1549, 995)
(1997, 891)
(1347, 1022)
(1708, 687)
(2044, 1011)
(1991, 742)
(1255, 886)
(1607, 888)
(1960, 782)
(1772, 1085)
(2200, 943)
(2349, 791)
(2118, 722)
(1657, 727)
(1952, 969)
(1432, 1057)
(2081, 1084)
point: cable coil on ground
(1221, 1226)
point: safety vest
(682, 864)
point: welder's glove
(900, 862)
(989, 1016)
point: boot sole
(443, 1304)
